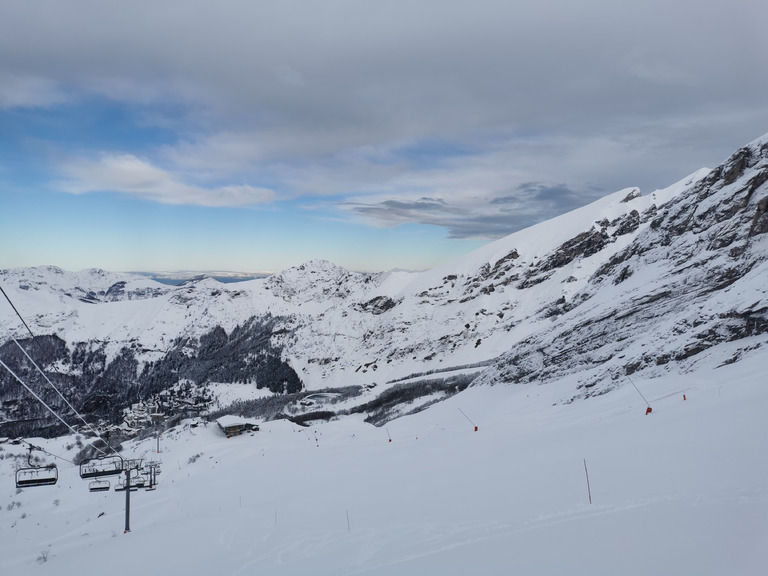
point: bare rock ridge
(698, 265)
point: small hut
(234, 425)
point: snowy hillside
(681, 491)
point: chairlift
(120, 486)
(148, 475)
(32, 475)
(98, 467)
(37, 476)
(99, 486)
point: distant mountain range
(631, 285)
(179, 277)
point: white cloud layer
(134, 176)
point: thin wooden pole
(589, 490)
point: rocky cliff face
(629, 285)
(694, 279)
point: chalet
(234, 425)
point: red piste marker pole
(649, 409)
(467, 417)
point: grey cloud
(591, 93)
(394, 212)
(428, 67)
(484, 219)
(558, 196)
(490, 227)
(424, 203)
(459, 223)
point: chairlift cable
(54, 479)
(17, 313)
(58, 392)
(46, 451)
(51, 410)
(34, 339)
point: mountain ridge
(628, 284)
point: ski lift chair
(98, 467)
(99, 486)
(32, 475)
(37, 476)
(120, 486)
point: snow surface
(680, 491)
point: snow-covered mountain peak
(316, 280)
(91, 285)
(758, 143)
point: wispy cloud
(128, 174)
(29, 91)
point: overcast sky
(253, 136)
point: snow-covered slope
(628, 284)
(681, 491)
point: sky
(253, 136)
